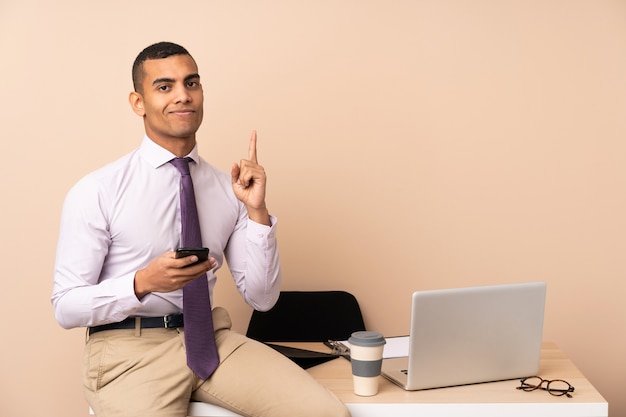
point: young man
(116, 271)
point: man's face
(172, 98)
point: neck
(178, 146)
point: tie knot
(182, 164)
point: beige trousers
(144, 373)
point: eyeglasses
(339, 348)
(556, 387)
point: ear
(136, 102)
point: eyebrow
(171, 80)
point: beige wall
(409, 145)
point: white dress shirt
(117, 219)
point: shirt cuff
(128, 301)
(261, 234)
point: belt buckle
(166, 320)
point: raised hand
(249, 182)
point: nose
(182, 95)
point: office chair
(308, 316)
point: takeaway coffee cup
(366, 357)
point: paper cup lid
(367, 339)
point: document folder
(304, 358)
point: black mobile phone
(201, 253)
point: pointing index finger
(252, 148)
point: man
(116, 272)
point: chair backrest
(308, 316)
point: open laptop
(471, 335)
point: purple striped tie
(202, 355)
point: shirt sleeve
(78, 298)
(254, 262)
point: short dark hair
(158, 50)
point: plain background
(409, 145)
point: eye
(192, 84)
(164, 88)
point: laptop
(471, 335)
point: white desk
(495, 399)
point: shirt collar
(156, 155)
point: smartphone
(201, 253)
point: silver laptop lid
(476, 334)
